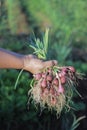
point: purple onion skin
(60, 89)
(44, 75)
(43, 83)
(72, 69)
(56, 82)
(38, 76)
(49, 77)
(63, 80)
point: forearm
(10, 59)
(29, 63)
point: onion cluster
(53, 87)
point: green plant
(41, 47)
(16, 19)
(54, 86)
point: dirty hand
(35, 65)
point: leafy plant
(44, 91)
(41, 47)
(16, 19)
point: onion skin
(63, 73)
(49, 77)
(44, 75)
(38, 76)
(72, 69)
(43, 83)
(60, 89)
(56, 82)
(60, 74)
(63, 80)
(64, 69)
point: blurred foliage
(65, 14)
(67, 21)
(14, 12)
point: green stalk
(16, 83)
(41, 47)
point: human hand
(35, 65)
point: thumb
(50, 63)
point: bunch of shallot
(54, 86)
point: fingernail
(54, 62)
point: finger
(35, 56)
(50, 63)
(32, 56)
(54, 62)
